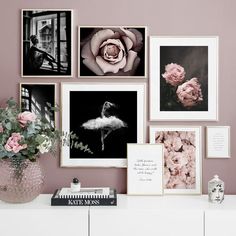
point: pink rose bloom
(1, 128)
(166, 176)
(179, 184)
(112, 50)
(159, 136)
(179, 158)
(177, 144)
(188, 136)
(13, 145)
(26, 117)
(190, 93)
(174, 74)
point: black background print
(194, 59)
(87, 105)
(86, 35)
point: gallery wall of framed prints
(109, 115)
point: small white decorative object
(75, 186)
(216, 190)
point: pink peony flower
(13, 145)
(26, 117)
(174, 74)
(179, 158)
(112, 50)
(1, 128)
(190, 93)
(188, 137)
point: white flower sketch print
(106, 123)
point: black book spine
(84, 202)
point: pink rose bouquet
(190, 93)
(174, 74)
(24, 135)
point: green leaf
(8, 126)
(11, 102)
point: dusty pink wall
(182, 17)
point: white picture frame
(218, 142)
(145, 169)
(182, 157)
(184, 51)
(89, 98)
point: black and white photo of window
(46, 43)
(39, 99)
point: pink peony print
(112, 50)
(179, 158)
(174, 74)
(190, 93)
(26, 117)
(13, 143)
(1, 128)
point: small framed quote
(145, 169)
(218, 141)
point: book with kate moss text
(85, 197)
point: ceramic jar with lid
(216, 190)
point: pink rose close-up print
(184, 78)
(179, 158)
(112, 51)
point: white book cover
(98, 192)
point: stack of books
(85, 197)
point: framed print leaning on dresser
(144, 169)
(105, 117)
(184, 78)
(182, 157)
(46, 43)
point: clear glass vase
(20, 180)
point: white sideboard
(38, 218)
(134, 215)
(149, 215)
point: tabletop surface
(125, 202)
